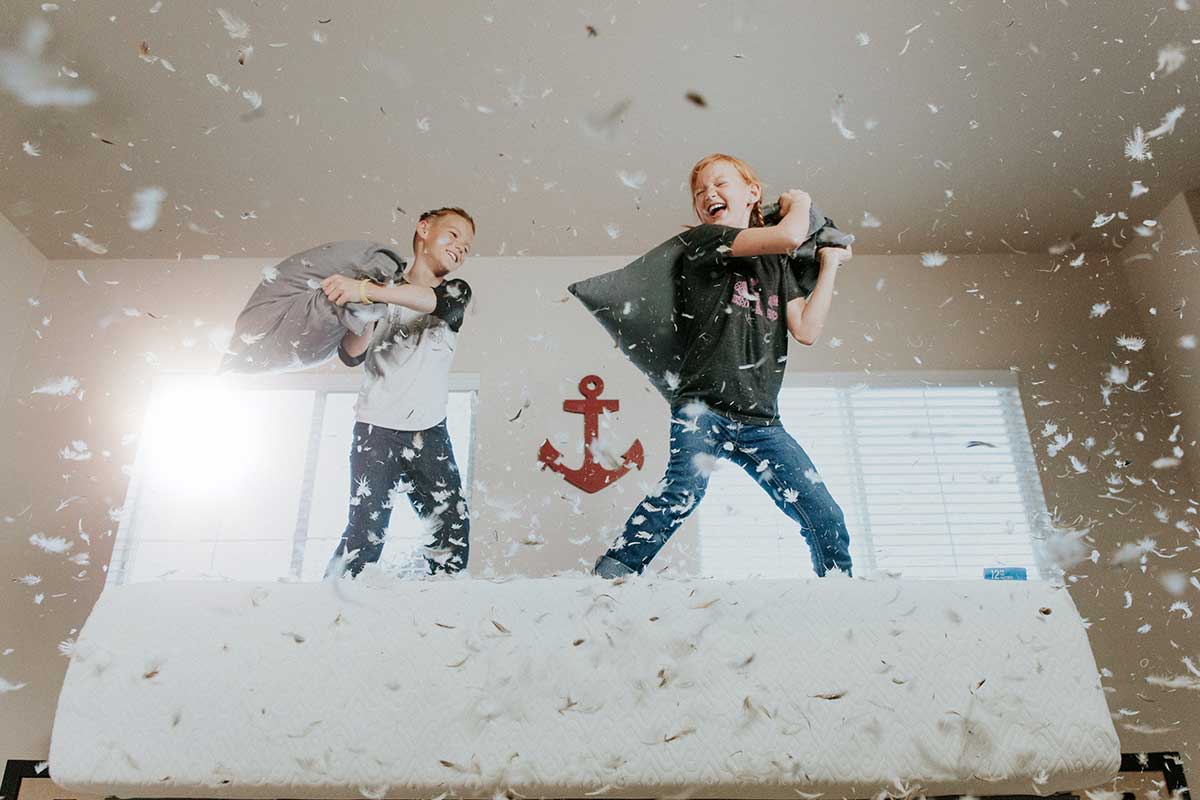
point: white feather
(1168, 123)
(8, 686)
(146, 204)
(34, 83)
(1134, 343)
(88, 244)
(1170, 58)
(59, 387)
(634, 180)
(51, 544)
(1136, 147)
(235, 26)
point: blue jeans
(768, 453)
(386, 463)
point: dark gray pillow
(636, 304)
(821, 233)
(289, 324)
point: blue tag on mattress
(1005, 573)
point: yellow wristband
(362, 291)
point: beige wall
(528, 341)
(22, 269)
(1164, 275)
(22, 272)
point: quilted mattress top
(574, 687)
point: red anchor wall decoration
(590, 476)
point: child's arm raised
(341, 289)
(780, 239)
(806, 317)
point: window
(250, 479)
(935, 474)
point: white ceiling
(516, 112)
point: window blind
(935, 474)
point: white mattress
(573, 687)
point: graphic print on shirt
(746, 293)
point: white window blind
(935, 474)
(250, 479)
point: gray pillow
(821, 233)
(289, 324)
(636, 304)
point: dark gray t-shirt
(735, 313)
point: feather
(146, 204)
(59, 387)
(88, 244)
(235, 26)
(51, 544)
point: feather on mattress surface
(574, 687)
